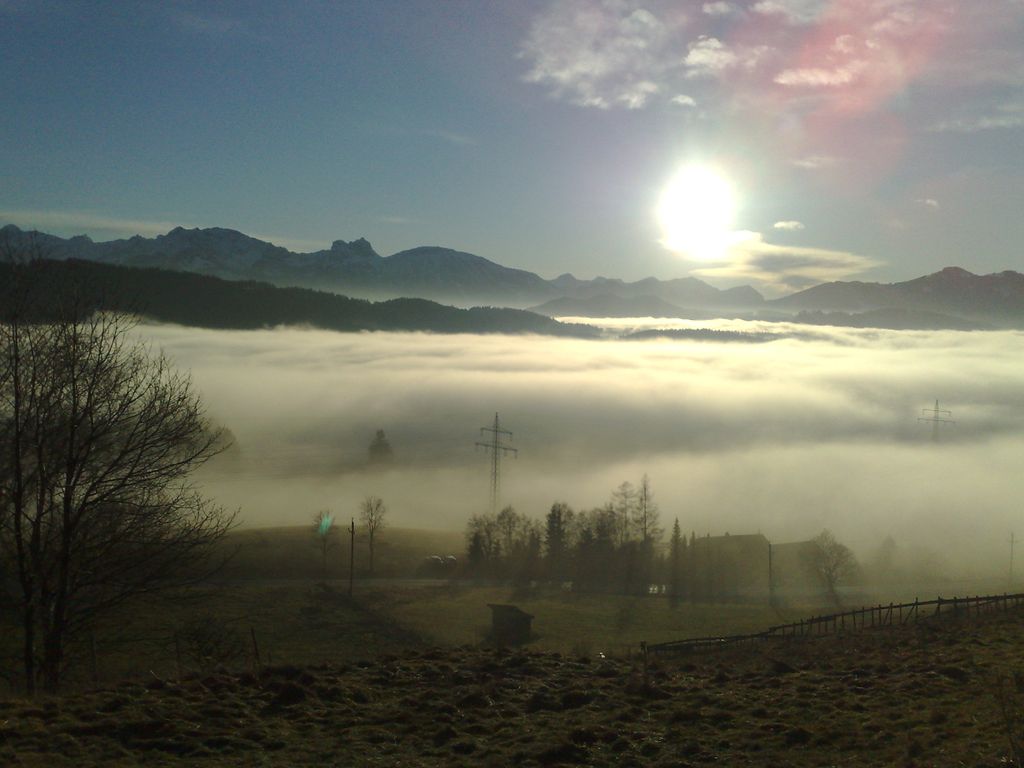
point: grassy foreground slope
(919, 695)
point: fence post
(92, 659)
(647, 677)
(257, 666)
(177, 656)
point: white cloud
(618, 54)
(636, 97)
(708, 56)
(682, 100)
(612, 53)
(784, 268)
(822, 76)
(797, 61)
(789, 225)
(929, 202)
(794, 11)
(1005, 116)
(815, 162)
(719, 8)
(843, 44)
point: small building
(510, 625)
(791, 576)
(728, 567)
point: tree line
(612, 548)
(619, 548)
(211, 302)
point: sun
(696, 211)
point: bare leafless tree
(624, 503)
(372, 512)
(645, 514)
(830, 562)
(98, 439)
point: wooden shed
(510, 625)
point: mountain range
(355, 269)
(950, 298)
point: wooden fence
(872, 617)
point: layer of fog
(785, 437)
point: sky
(853, 139)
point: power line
(498, 449)
(936, 418)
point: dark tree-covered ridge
(210, 302)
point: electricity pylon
(498, 449)
(936, 419)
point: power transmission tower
(936, 418)
(498, 449)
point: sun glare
(696, 212)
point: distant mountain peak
(953, 291)
(360, 247)
(955, 272)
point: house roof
(513, 610)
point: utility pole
(936, 418)
(1013, 541)
(351, 555)
(497, 448)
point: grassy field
(609, 624)
(309, 622)
(295, 622)
(397, 675)
(293, 552)
(269, 588)
(923, 695)
(274, 592)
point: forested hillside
(210, 302)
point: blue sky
(876, 139)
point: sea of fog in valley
(816, 428)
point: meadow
(275, 664)
(277, 599)
(928, 694)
